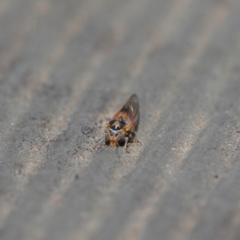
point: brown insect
(122, 128)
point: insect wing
(130, 112)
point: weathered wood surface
(67, 66)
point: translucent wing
(130, 112)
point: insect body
(122, 127)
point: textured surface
(66, 66)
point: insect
(122, 128)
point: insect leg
(117, 145)
(126, 141)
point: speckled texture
(67, 66)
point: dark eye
(112, 122)
(122, 123)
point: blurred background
(66, 67)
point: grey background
(68, 66)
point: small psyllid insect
(122, 128)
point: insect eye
(122, 123)
(112, 122)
